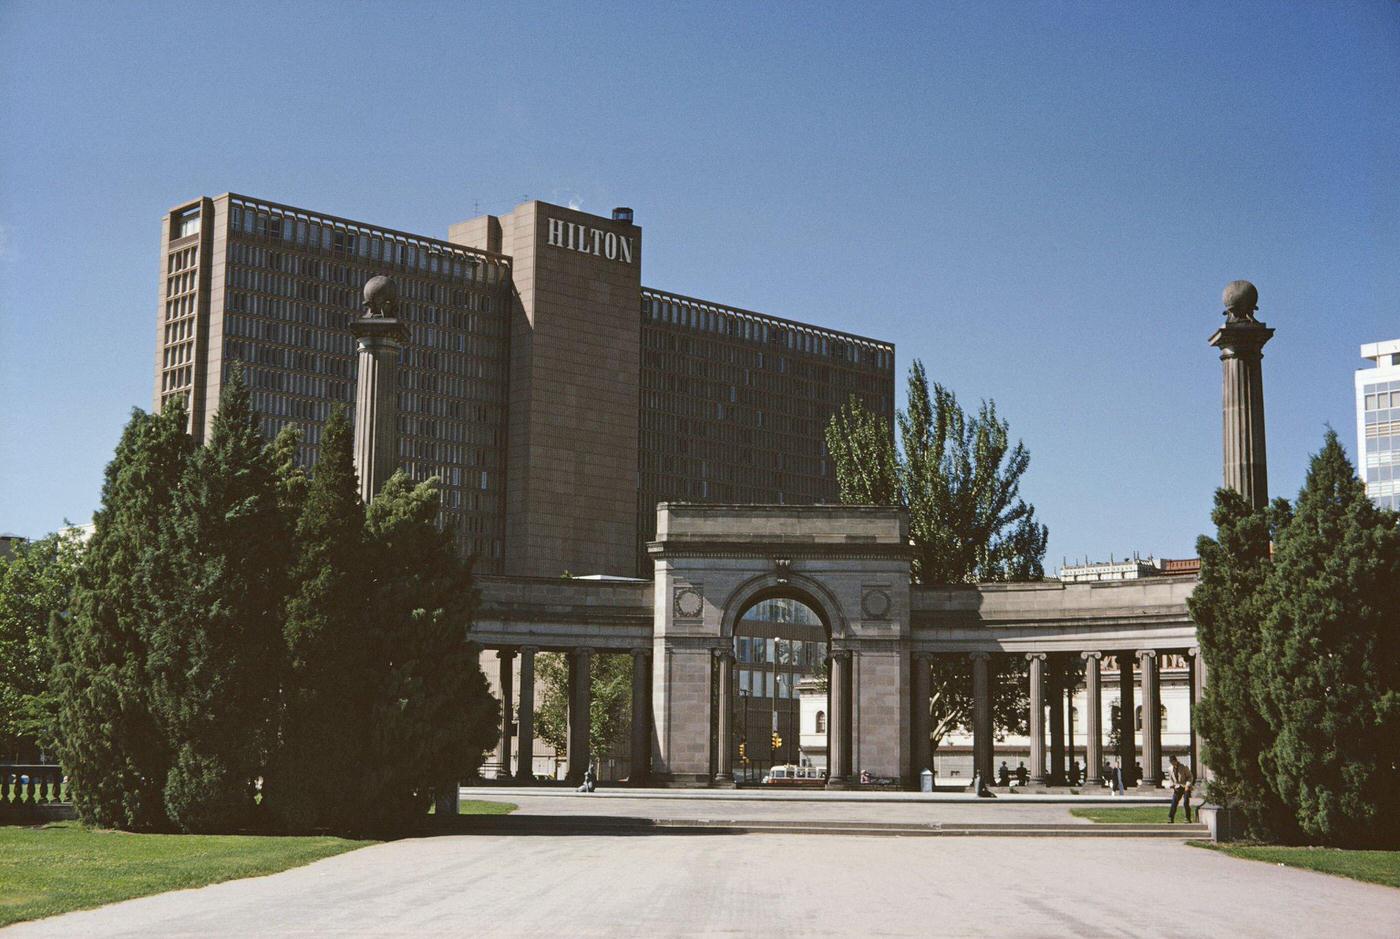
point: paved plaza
(665, 884)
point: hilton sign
(585, 240)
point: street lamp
(744, 694)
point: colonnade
(580, 701)
(1043, 686)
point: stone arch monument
(849, 564)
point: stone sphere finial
(381, 296)
(1241, 299)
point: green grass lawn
(1129, 815)
(61, 867)
(480, 807)
(1376, 867)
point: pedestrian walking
(1182, 780)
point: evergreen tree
(291, 480)
(1228, 607)
(36, 584)
(215, 651)
(323, 750)
(110, 743)
(433, 715)
(1330, 675)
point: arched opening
(780, 701)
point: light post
(744, 694)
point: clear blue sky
(1041, 201)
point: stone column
(507, 657)
(1241, 343)
(1198, 687)
(525, 765)
(982, 742)
(1093, 732)
(641, 717)
(380, 338)
(1151, 731)
(1056, 686)
(724, 705)
(1127, 742)
(580, 705)
(839, 721)
(1037, 717)
(920, 761)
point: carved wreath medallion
(875, 604)
(688, 602)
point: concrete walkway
(743, 805)
(659, 885)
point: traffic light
(743, 752)
(777, 740)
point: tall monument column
(381, 337)
(1241, 343)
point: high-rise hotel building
(556, 398)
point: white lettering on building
(585, 240)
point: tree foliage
(1301, 713)
(610, 705)
(433, 715)
(215, 649)
(36, 585)
(115, 753)
(329, 675)
(1331, 650)
(958, 476)
(1228, 608)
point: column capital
(1032, 656)
(1194, 652)
(1096, 656)
(724, 655)
(640, 651)
(531, 650)
(923, 658)
(979, 656)
(584, 651)
(1145, 654)
(506, 652)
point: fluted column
(1198, 686)
(839, 721)
(1127, 742)
(724, 758)
(641, 717)
(982, 742)
(1056, 686)
(1241, 343)
(380, 340)
(580, 707)
(1093, 731)
(507, 657)
(1151, 723)
(1037, 717)
(525, 767)
(920, 721)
